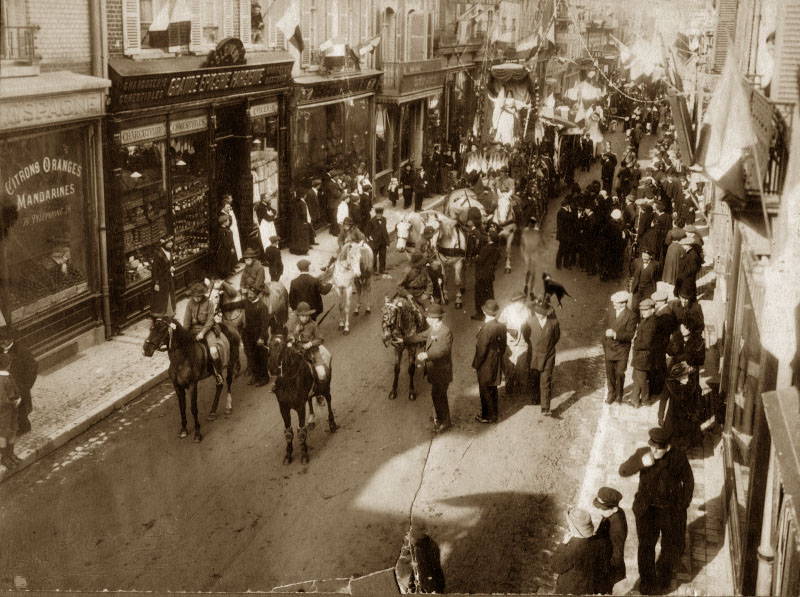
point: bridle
(166, 345)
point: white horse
(505, 219)
(460, 203)
(352, 269)
(449, 240)
(533, 249)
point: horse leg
(412, 368)
(288, 432)
(302, 434)
(366, 287)
(398, 356)
(458, 274)
(212, 415)
(347, 295)
(357, 293)
(232, 372)
(340, 299)
(311, 417)
(332, 426)
(180, 391)
(198, 437)
(509, 244)
(442, 281)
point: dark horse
(189, 363)
(295, 384)
(399, 320)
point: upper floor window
(416, 36)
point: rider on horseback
(200, 319)
(304, 334)
(432, 264)
(417, 285)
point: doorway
(232, 167)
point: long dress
(237, 240)
(504, 118)
(264, 217)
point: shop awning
(510, 71)
(412, 97)
(185, 64)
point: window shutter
(196, 37)
(787, 53)
(130, 25)
(388, 38)
(272, 32)
(343, 24)
(725, 33)
(330, 22)
(227, 18)
(417, 36)
(244, 21)
(308, 40)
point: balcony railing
(450, 40)
(393, 72)
(18, 43)
(772, 121)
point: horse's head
(403, 229)
(352, 255)
(159, 336)
(277, 346)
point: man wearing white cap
(620, 327)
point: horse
(189, 362)
(449, 240)
(505, 219)
(294, 386)
(399, 320)
(462, 205)
(533, 249)
(352, 269)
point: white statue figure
(504, 116)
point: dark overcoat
(162, 278)
(490, 347)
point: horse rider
(350, 233)
(207, 325)
(432, 264)
(417, 284)
(304, 333)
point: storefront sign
(47, 110)
(143, 133)
(268, 109)
(419, 82)
(328, 89)
(188, 125)
(138, 91)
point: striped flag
(289, 25)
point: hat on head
(616, 214)
(348, 221)
(621, 296)
(542, 307)
(379, 209)
(580, 522)
(303, 265)
(647, 250)
(434, 310)
(197, 289)
(659, 296)
(304, 309)
(680, 370)
(428, 232)
(250, 253)
(686, 292)
(316, 181)
(519, 296)
(417, 259)
(659, 437)
(607, 498)
(274, 239)
(490, 307)
(646, 304)
(603, 193)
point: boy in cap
(614, 525)
(641, 360)
(378, 238)
(350, 233)
(620, 328)
(253, 272)
(490, 347)
(581, 561)
(666, 485)
(273, 260)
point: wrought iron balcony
(773, 122)
(18, 43)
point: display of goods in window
(46, 248)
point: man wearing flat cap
(490, 346)
(641, 359)
(438, 362)
(620, 327)
(666, 485)
(307, 288)
(613, 524)
(666, 324)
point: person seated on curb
(199, 319)
(304, 333)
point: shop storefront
(182, 136)
(333, 128)
(406, 113)
(50, 266)
(460, 105)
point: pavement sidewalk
(82, 390)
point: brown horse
(189, 362)
(399, 320)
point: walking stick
(324, 315)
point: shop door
(232, 165)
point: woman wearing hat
(162, 297)
(199, 320)
(225, 257)
(582, 559)
(682, 417)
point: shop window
(144, 206)
(264, 160)
(45, 179)
(188, 156)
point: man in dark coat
(689, 265)
(378, 237)
(641, 358)
(332, 193)
(688, 311)
(614, 525)
(273, 260)
(255, 334)
(608, 163)
(23, 369)
(485, 264)
(544, 333)
(420, 188)
(437, 358)
(666, 324)
(162, 298)
(620, 328)
(645, 277)
(666, 485)
(312, 199)
(566, 228)
(407, 179)
(301, 233)
(582, 559)
(662, 223)
(306, 288)
(490, 347)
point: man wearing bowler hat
(490, 347)
(543, 332)
(642, 359)
(438, 363)
(666, 485)
(620, 328)
(378, 238)
(646, 273)
(614, 524)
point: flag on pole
(727, 132)
(368, 46)
(289, 25)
